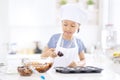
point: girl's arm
(82, 59)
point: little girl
(70, 48)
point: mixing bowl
(41, 65)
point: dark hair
(78, 30)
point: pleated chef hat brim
(73, 12)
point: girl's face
(69, 27)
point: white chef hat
(73, 12)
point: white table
(52, 75)
(92, 60)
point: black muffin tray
(78, 69)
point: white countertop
(91, 60)
(52, 75)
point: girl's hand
(80, 63)
(72, 64)
(51, 52)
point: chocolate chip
(60, 54)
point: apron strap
(59, 40)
